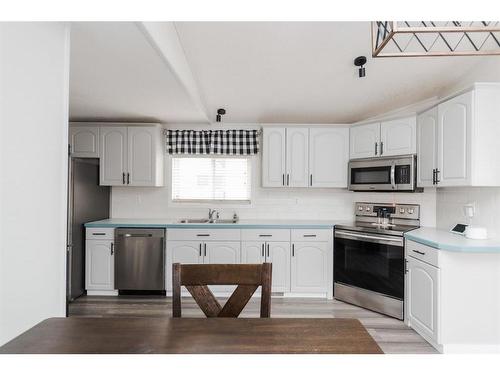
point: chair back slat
(197, 277)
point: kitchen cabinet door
(144, 155)
(221, 253)
(364, 141)
(297, 157)
(252, 252)
(99, 265)
(278, 253)
(422, 302)
(398, 137)
(184, 252)
(273, 157)
(328, 156)
(84, 141)
(113, 155)
(309, 267)
(427, 128)
(454, 138)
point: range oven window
(368, 265)
(371, 175)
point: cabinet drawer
(201, 234)
(304, 235)
(100, 233)
(422, 252)
(265, 234)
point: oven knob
(367, 209)
(410, 211)
(401, 210)
(360, 208)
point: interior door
(278, 253)
(328, 157)
(113, 155)
(427, 125)
(297, 157)
(273, 157)
(423, 283)
(309, 267)
(454, 132)
(141, 156)
(364, 141)
(398, 137)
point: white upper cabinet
(398, 137)
(454, 140)
(297, 157)
(113, 155)
(364, 141)
(84, 141)
(427, 127)
(328, 156)
(273, 157)
(131, 156)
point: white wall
(267, 203)
(34, 71)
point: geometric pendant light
(433, 38)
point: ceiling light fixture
(360, 61)
(220, 113)
(432, 38)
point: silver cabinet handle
(376, 148)
(112, 248)
(419, 252)
(128, 178)
(123, 178)
(393, 175)
(381, 148)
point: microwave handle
(393, 175)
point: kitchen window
(211, 179)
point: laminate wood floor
(392, 335)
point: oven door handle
(390, 240)
(393, 175)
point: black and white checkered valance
(219, 142)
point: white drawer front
(424, 253)
(265, 235)
(304, 235)
(99, 233)
(201, 234)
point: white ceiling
(259, 72)
(115, 74)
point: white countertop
(445, 240)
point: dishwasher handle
(137, 235)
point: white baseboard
(102, 292)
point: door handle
(123, 178)
(112, 248)
(376, 148)
(128, 178)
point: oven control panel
(397, 211)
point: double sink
(208, 221)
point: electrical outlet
(469, 209)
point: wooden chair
(248, 277)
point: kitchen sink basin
(207, 221)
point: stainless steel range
(369, 261)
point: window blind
(204, 178)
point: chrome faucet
(213, 214)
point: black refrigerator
(87, 201)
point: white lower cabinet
(309, 267)
(99, 265)
(422, 302)
(221, 253)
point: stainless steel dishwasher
(140, 259)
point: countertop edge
(466, 248)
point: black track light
(220, 113)
(360, 61)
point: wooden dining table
(83, 335)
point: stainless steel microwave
(394, 173)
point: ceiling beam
(164, 39)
